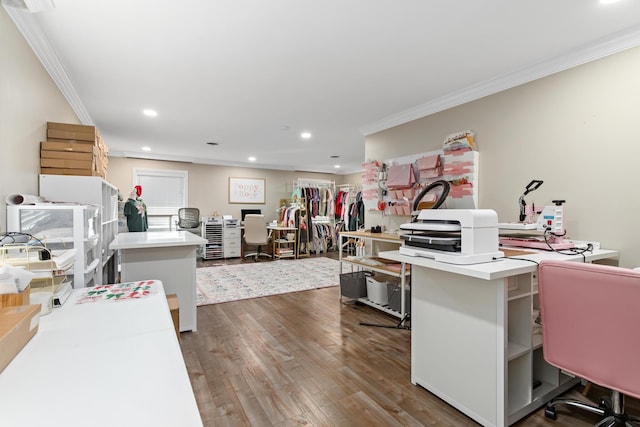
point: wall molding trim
(46, 54)
(617, 43)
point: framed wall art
(246, 190)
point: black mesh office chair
(189, 220)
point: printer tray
(440, 243)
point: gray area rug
(242, 281)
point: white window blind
(164, 192)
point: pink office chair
(591, 328)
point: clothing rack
(349, 198)
(356, 187)
(320, 203)
(300, 221)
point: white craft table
(107, 363)
(472, 342)
(166, 256)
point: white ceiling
(253, 74)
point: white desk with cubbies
(371, 243)
(472, 340)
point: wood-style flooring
(303, 359)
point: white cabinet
(63, 226)
(96, 191)
(232, 242)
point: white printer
(456, 236)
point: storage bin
(354, 285)
(17, 326)
(16, 299)
(377, 291)
(393, 291)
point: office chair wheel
(604, 403)
(550, 412)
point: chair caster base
(550, 412)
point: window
(164, 192)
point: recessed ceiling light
(150, 113)
(334, 156)
(252, 159)
(146, 148)
(213, 143)
(336, 166)
(305, 135)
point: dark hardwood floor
(303, 359)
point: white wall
(576, 130)
(28, 99)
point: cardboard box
(174, 308)
(69, 155)
(65, 134)
(67, 145)
(67, 164)
(86, 152)
(76, 172)
(17, 326)
(17, 299)
(70, 131)
(71, 127)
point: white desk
(167, 256)
(110, 363)
(471, 335)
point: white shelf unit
(50, 275)
(372, 244)
(91, 190)
(232, 242)
(284, 242)
(63, 226)
(212, 232)
(472, 335)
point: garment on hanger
(136, 212)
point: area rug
(251, 280)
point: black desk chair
(189, 220)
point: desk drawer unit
(232, 244)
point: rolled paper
(23, 199)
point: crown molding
(32, 33)
(617, 43)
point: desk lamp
(533, 185)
